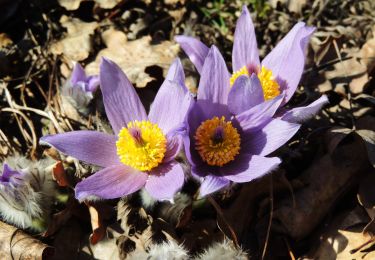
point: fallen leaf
(365, 97)
(72, 5)
(15, 244)
(326, 180)
(59, 174)
(76, 44)
(344, 239)
(368, 137)
(134, 56)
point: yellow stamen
(217, 141)
(235, 75)
(271, 88)
(141, 145)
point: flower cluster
(227, 132)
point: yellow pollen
(271, 88)
(141, 145)
(238, 73)
(217, 141)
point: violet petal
(258, 167)
(245, 48)
(165, 181)
(170, 97)
(245, 93)
(214, 82)
(174, 145)
(111, 182)
(88, 146)
(121, 101)
(211, 184)
(301, 114)
(194, 49)
(287, 59)
(78, 74)
(255, 117)
(272, 136)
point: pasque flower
(26, 191)
(142, 150)
(80, 88)
(79, 79)
(279, 72)
(229, 133)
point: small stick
(292, 257)
(270, 220)
(362, 246)
(221, 214)
(347, 87)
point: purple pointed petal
(111, 182)
(88, 146)
(8, 172)
(165, 181)
(78, 74)
(255, 117)
(287, 59)
(92, 83)
(194, 49)
(301, 114)
(174, 145)
(171, 97)
(214, 82)
(245, 48)
(272, 136)
(212, 184)
(176, 73)
(121, 102)
(258, 167)
(245, 93)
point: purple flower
(79, 79)
(79, 89)
(279, 72)
(26, 191)
(229, 133)
(142, 151)
(10, 177)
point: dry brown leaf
(72, 5)
(294, 6)
(344, 238)
(134, 56)
(326, 180)
(174, 2)
(5, 40)
(107, 4)
(15, 244)
(77, 43)
(59, 174)
(368, 54)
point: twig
(353, 251)
(34, 140)
(348, 91)
(292, 257)
(221, 214)
(270, 220)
